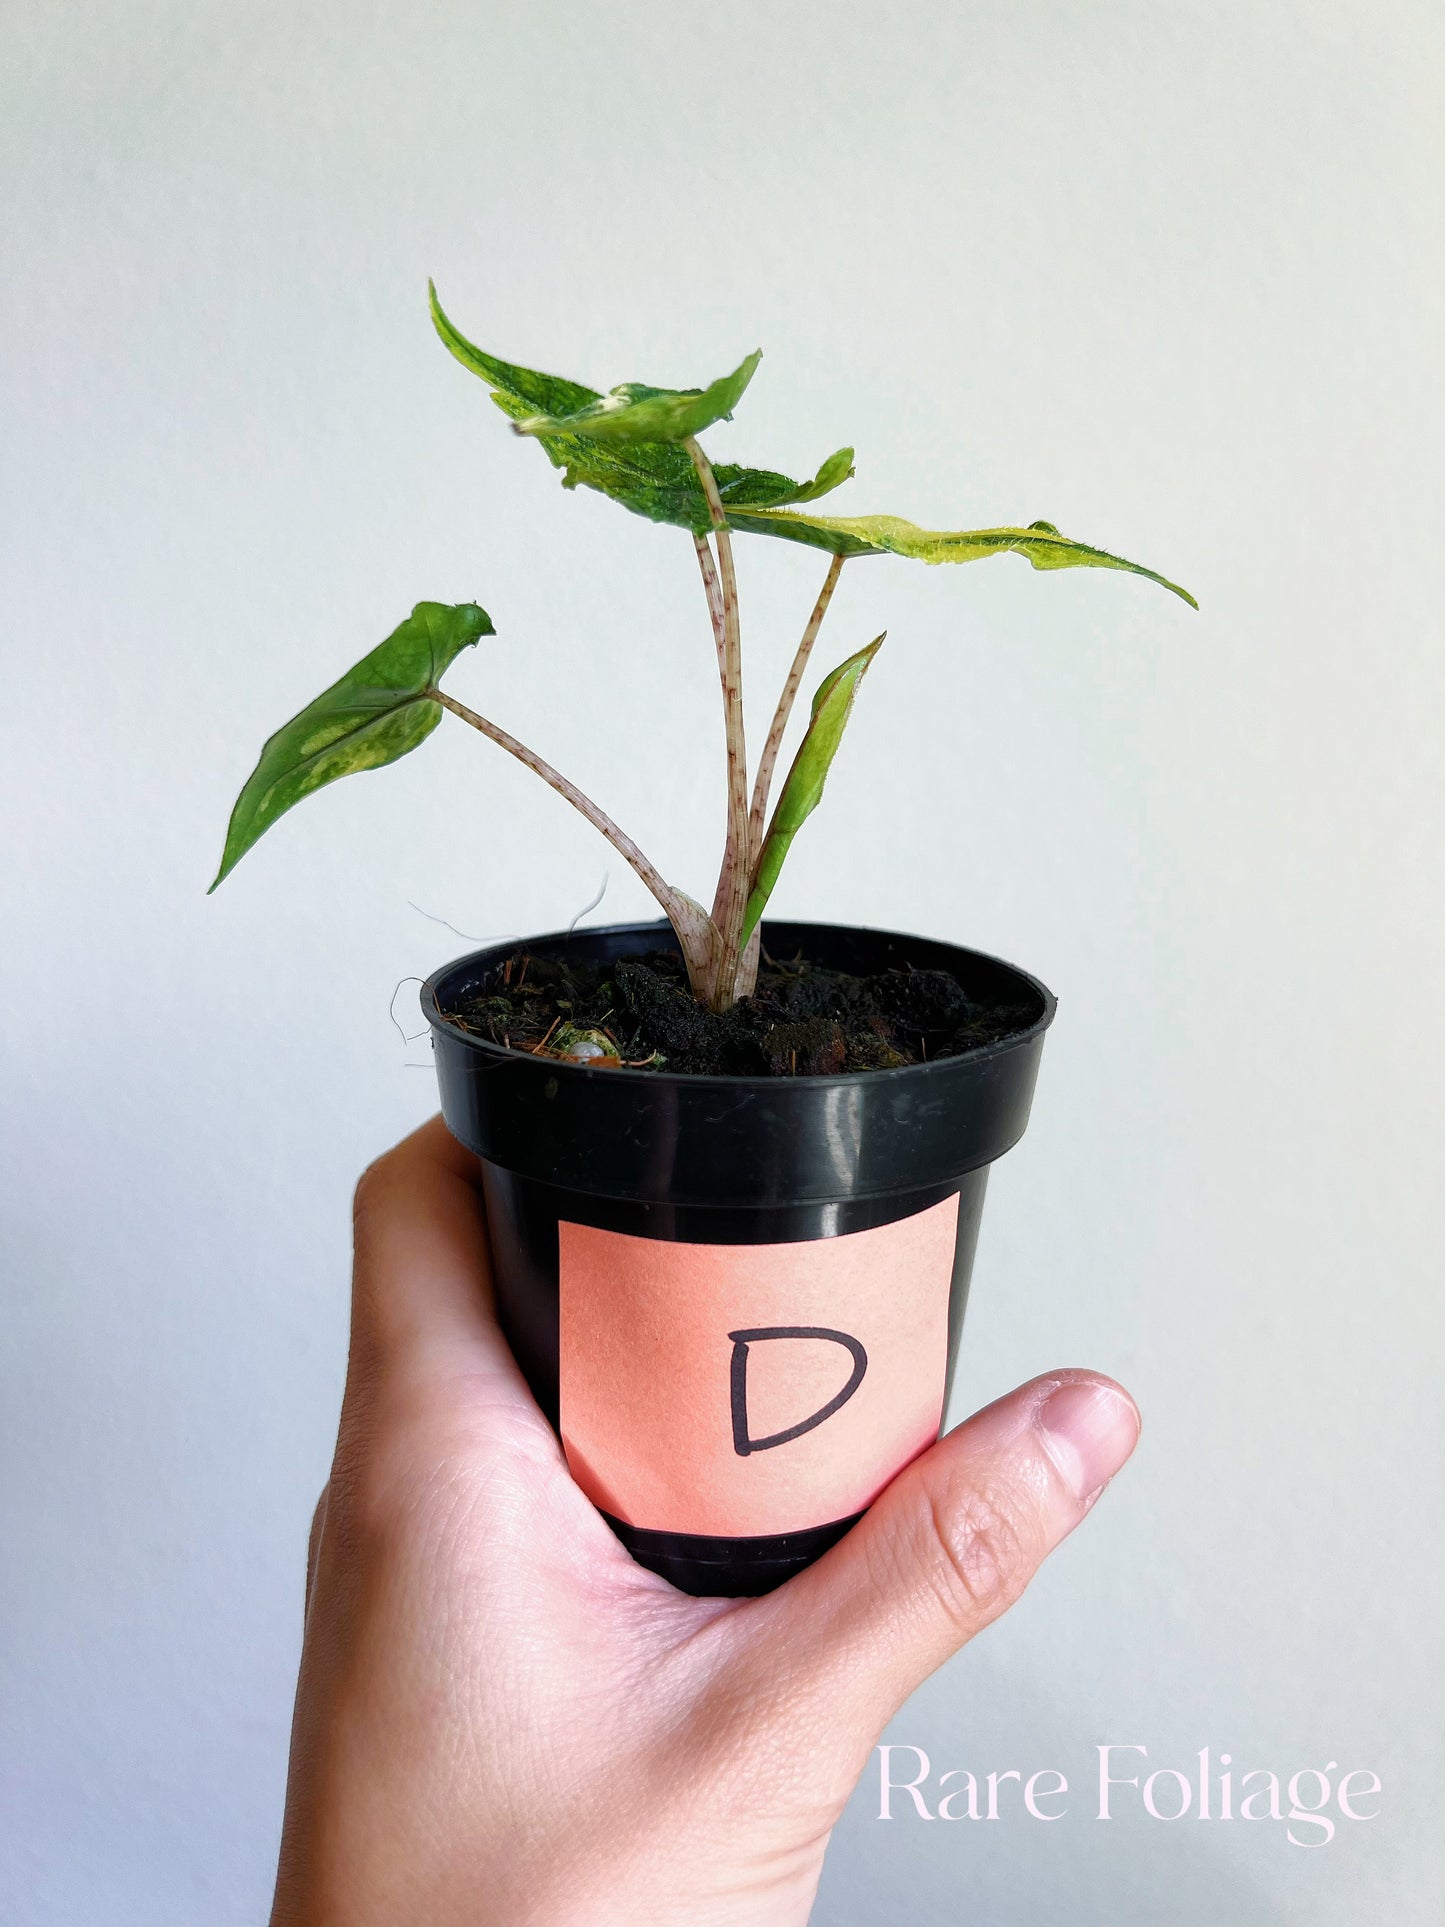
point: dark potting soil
(802, 1021)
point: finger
(421, 1304)
(948, 1546)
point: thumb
(947, 1547)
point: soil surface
(803, 1021)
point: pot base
(737, 1568)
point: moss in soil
(803, 1020)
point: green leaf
(1041, 542)
(804, 788)
(526, 391)
(682, 503)
(653, 479)
(656, 479)
(634, 412)
(377, 712)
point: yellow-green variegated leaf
(593, 439)
(636, 413)
(803, 790)
(652, 478)
(1041, 543)
(378, 711)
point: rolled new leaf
(1040, 543)
(651, 478)
(803, 790)
(376, 713)
(634, 412)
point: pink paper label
(741, 1389)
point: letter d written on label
(743, 1443)
(751, 1389)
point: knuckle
(398, 1479)
(367, 1503)
(371, 1187)
(313, 1540)
(983, 1548)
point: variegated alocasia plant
(639, 446)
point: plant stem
(732, 891)
(694, 928)
(746, 981)
(785, 709)
(713, 590)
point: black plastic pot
(680, 1271)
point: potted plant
(733, 1168)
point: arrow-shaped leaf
(656, 478)
(637, 413)
(804, 788)
(377, 712)
(1041, 542)
(652, 478)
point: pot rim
(980, 1053)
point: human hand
(502, 1719)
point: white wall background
(1171, 277)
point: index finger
(421, 1301)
